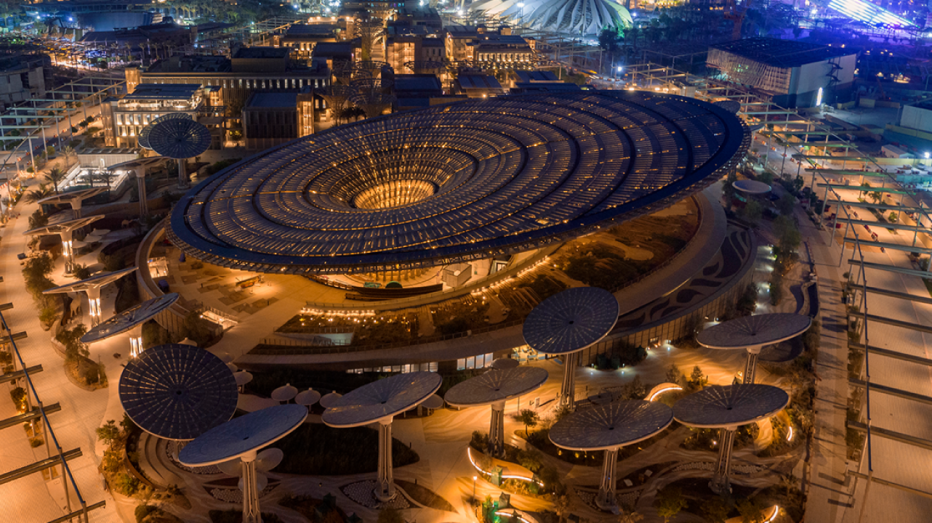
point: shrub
(154, 334)
(144, 510)
(47, 316)
(19, 397)
(125, 484)
(71, 339)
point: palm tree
(55, 176)
(33, 196)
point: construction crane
(732, 13)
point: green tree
(715, 509)
(728, 188)
(864, 185)
(55, 176)
(875, 196)
(697, 378)
(531, 460)
(786, 204)
(788, 236)
(751, 511)
(42, 191)
(108, 433)
(669, 503)
(753, 212)
(529, 418)
(673, 374)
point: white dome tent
(586, 17)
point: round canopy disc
(179, 138)
(505, 363)
(328, 400)
(433, 402)
(750, 332)
(496, 385)
(571, 320)
(177, 392)
(382, 399)
(128, 319)
(284, 393)
(243, 435)
(751, 187)
(307, 398)
(730, 406)
(611, 426)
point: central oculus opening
(394, 193)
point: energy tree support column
(250, 489)
(719, 483)
(93, 305)
(143, 198)
(606, 498)
(568, 389)
(750, 366)
(385, 489)
(67, 236)
(497, 429)
(182, 176)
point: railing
(50, 433)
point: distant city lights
(868, 12)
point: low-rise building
(410, 48)
(234, 80)
(271, 119)
(476, 85)
(22, 77)
(301, 38)
(123, 118)
(793, 73)
(415, 91)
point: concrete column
(76, 208)
(606, 497)
(750, 365)
(141, 184)
(497, 429)
(385, 487)
(568, 390)
(93, 305)
(726, 441)
(250, 489)
(66, 250)
(135, 341)
(182, 177)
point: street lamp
(474, 478)
(926, 154)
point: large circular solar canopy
(611, 426)
(243, 435)
(457, 182)
(571, 320)
(145, 131)
(381, 399)
(729, 406)
(179, 138)
(177, 391)
(749, 332)
(496, 385)
(130, 318)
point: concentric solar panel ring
(177, 391)
(511, 174)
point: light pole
(474, 478)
